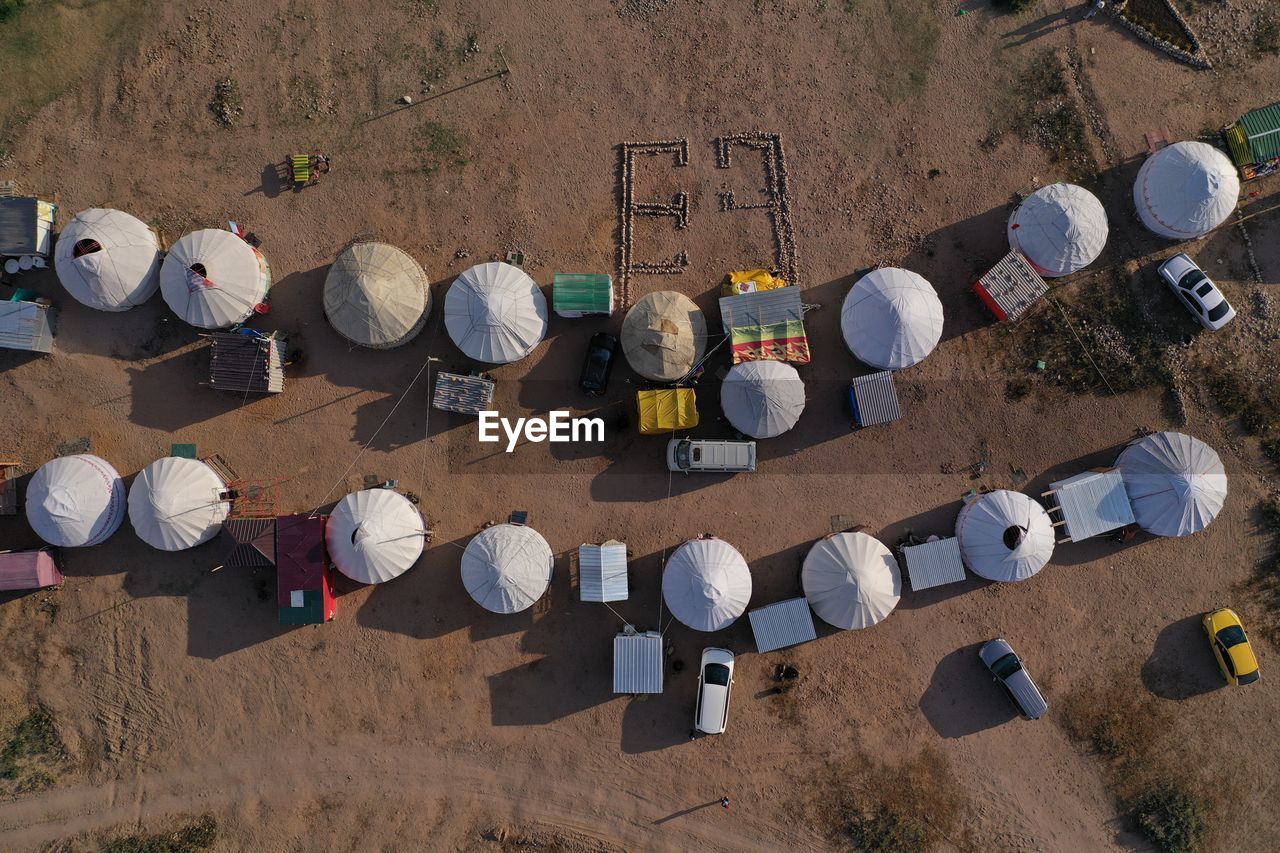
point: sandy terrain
(415, 715)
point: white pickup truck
(701, 454)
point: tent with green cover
(1254, 142)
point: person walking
(724, 802)
(1098, 6)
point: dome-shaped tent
(1176, 483)
(1004, 536)
(376, 296)
(108, 260)
(851, 580)
(74, 501)
(891, 318)
(213, 279)
(1186, 190)
(177, 503)
(663, 336)
(706, 584)
(507, 567)
(495, 313)
(1060, 229)
(374, 535)
(762, 398)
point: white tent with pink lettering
(1186, 190)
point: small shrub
(1266, 33)
(199, 835)
(33, 737)
(440, 146)
(227, 104)
(909, 806)
(886, 831)
(10, 8)
(1171, 817)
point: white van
(701, 454)
(715, 684)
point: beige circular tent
(376, 296)
(663, 336)
(108, 259)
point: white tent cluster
(1186, 190)
(891, 318)
(108, 260)
(507, 567)
(376, 296)
(177, 503)
(1059, 228)
(663, 336)
(851, 580)
(1175, 482)
(706, 584)
(495, 313)
(762, 399)
(75, 501)
(1004, 536)
(375, 535)
(213, 279)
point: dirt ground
(416, 715)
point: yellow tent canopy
(665, 410)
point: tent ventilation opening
(199, 269)
(1013, 536)
(86, 246)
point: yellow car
(1231, 646)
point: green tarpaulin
(578, 294)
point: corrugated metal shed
(761, 308)
(577, 294)
(1010, 287)
(875, 399)
(934, 563)
(248, 363)
(782, 624)
(1261, 131)
(26, 326)
(637, 663)
(25, 226)
(1092, 503)
(602, 572)
(467, 395)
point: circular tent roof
(762, 398)
(891, 318)
(376, 296)
(1060, 229)
(1175, 482)
(663, 336)
(495, 313)
(706, 584)
(851, 580)
(176, 503)
(1004, 536)
(118, 262)
(1186, 190)
(375, 535)
(213, 279)
(507, 567)
(75, 501)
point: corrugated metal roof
(637, 663)
(761, 308)
(574, 294)
(18, 225)
(1093, 503)
(1013, 285)
(255, 542)
(782, 624)
(602, 572)
(468, 395)
(934, 563)
(25, 326)
(1262, 129)
(875, 399)
(246, 363)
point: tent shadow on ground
(184, 376)
(962, 699)
(1040, 27)
(940, 521)
(271, 185)
(1181, 664)
(232, 609)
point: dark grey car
(1009, 671)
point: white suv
(715, 683)
(1201, 296)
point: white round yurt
(891, 318)
(706, 584)
(1004, 536)
(507, 567)
(75, 501)
(1059, 228)
(375, 535)
(1186, 190)
(851, 580)
(177, 503)
(663, 336)
(762, 399)
(376, 296)
(495, 313)
(213, 279)
(1175, 482)
(108, 260)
